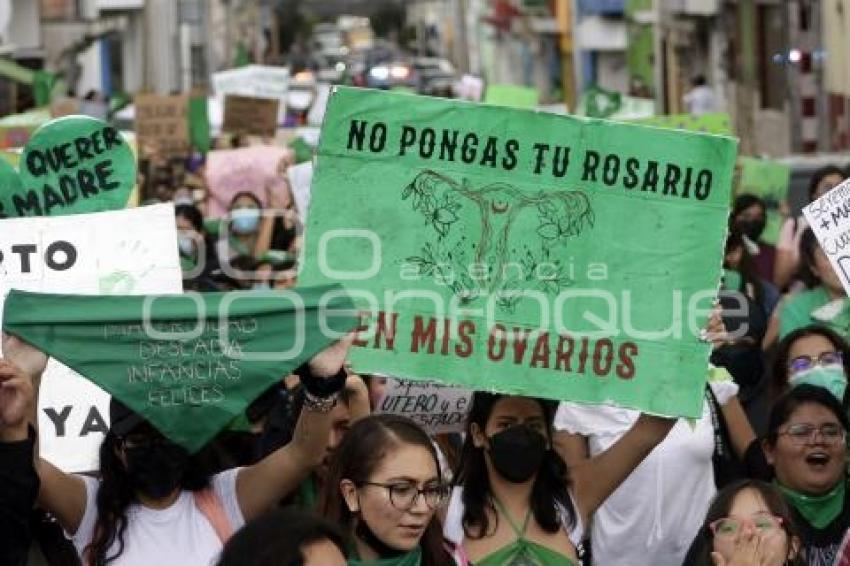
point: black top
(18, 489)
(820, 546)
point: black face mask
(517, 453)
(752, 229)
(156, 470)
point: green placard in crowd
(768, 180)
(522, 252)
(188, 364)
(71, 165)
(515, 96)
(712, 123)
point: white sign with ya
(123, 252)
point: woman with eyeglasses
(384, 487)
(806, 446)
(515, 502)
(748, 524)
(814, 355)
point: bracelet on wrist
(320, 387)
(319, 404)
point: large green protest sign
(189, 364)
(522, 252)
(71, 165)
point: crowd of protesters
(759, 480)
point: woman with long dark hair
(515, 502)
(384, 487)
(151, 504)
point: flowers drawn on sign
(492, 264)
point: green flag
(199, 123)
(515, 96)
(512, 250)
(189, 364)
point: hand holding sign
(71, 165)
(17, 401)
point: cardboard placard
(162, 125)
(250, 115)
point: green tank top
(523, 552)
(412, 558)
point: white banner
(300, 179)
(437, 408)
(124, 252)
(829, 217)
(254, 80)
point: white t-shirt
(653, 516)
(700, 100)
(179, 535)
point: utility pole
(745, 93)
(565, 17)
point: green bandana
(412, 558)
(184, 367)
(818, 511)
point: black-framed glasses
(729, 527)
(804, 433)
(403, 495)
(803, 363)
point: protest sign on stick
(250, 115)
(522, 252)
(122, 252)
(162, 124)
(232, 171)
(438, 408)
(829, 217)
(71, 165)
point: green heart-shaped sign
(188, 364)
(71, 165)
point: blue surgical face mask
(245, 220)
(186, 244)
(261, 286)
(829, 377)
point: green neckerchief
(412, 558)
(522, 552)
(819, 511)
(189, 364)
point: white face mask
(186, 243)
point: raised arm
(64, 495)
(594, 479)
(261, 486)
